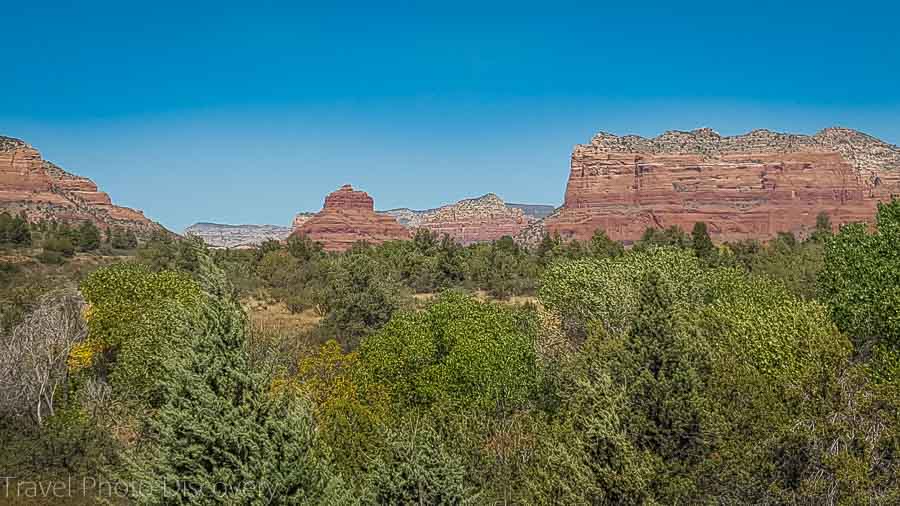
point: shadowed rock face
(348, 217)
(748, 186)
(45, 191)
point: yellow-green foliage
(458, 350)
(861, 280)
(764, 326)
(754, 353)
(753, 320)
(349, 408)
(140, 316)
(605, 291)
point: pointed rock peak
(602, 135)
(346, 188)
(706, 132)
(489, 196)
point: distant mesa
(483, 219)
(349, 217)
(748, 186)
(44, 191)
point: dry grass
(516, 300)
(274, 318)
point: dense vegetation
(673, 372)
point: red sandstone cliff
(748, 186)
(348, 217)
(45, 191)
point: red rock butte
(483, 219)
(348, 217)
(45, 191)
(748, 186)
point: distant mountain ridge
(220, 235)
(481, 219)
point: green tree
(121, 238)
(673, 236)
(457, 351)
(824, 230)
(664, 412)
(601, 246)
(701, 243)
(730, 361)
(302, 248)
(62, 245)
(5, 226)
(137, 320)
(15, 229)
(861, 280)
(357, 297)
(88, 236)
(220, 434)
(419, 467)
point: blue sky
(249, 112)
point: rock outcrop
(748, 186)
(45, 191)
(348, 217)
(300, 219)
(469, 221)
(218, 235)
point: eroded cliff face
(748, 186)
(469, 221)
(348, 217)
(45, 191)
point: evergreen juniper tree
(663, 413)
(222, 436)
(701, 243)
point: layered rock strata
(748, 186)
(45, 191)
(348, 217)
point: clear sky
(249, 112)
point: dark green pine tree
(701, 243)
(222, 436)
(547, 247)
(15, 230)
(824, 229)
(601, 246)
(664, 391)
